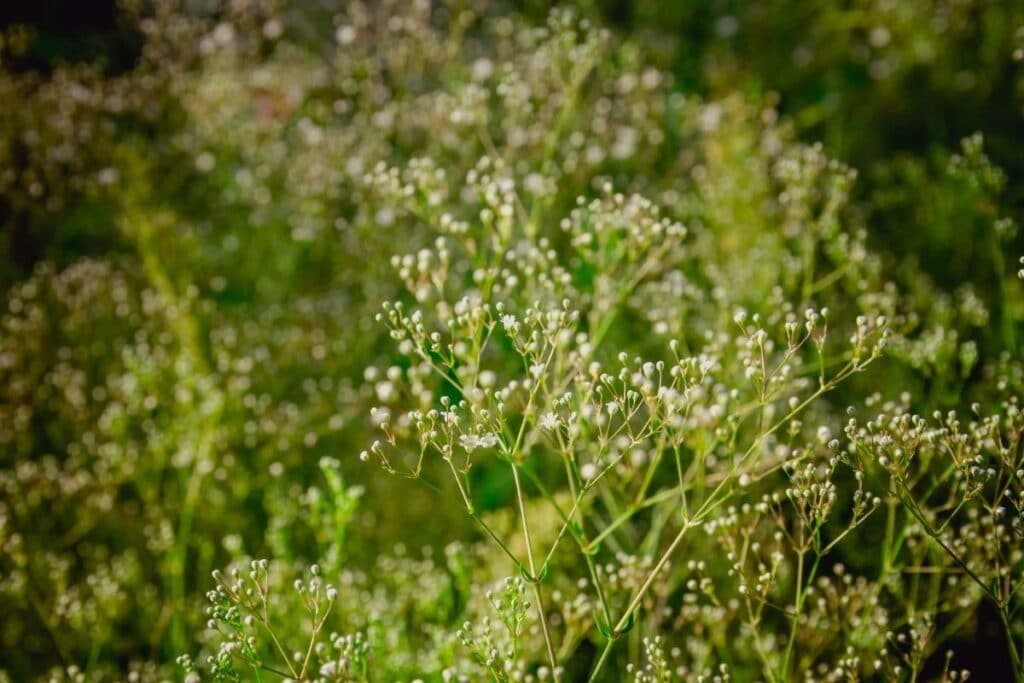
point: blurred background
(887, 86)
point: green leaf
(630, 623)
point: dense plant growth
(453, 342)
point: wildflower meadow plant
(439, 342)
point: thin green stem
(1011, 646)
(802, 589)
(601, 660)
(534, 578)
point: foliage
(449, 344)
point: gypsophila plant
(448, 341)
(240, 609)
